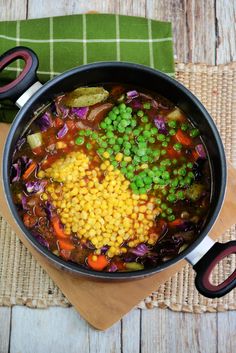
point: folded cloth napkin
(62, 43)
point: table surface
(204, 31)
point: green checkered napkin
(62, 43)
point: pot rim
(73, 267)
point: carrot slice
(99, 264)
(172, 153)
(59, 231)
(65, 245)
(29, 170)
(183, 138)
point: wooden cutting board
(103, 303)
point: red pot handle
(26, 78)
(205, 266)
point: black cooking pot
(31, 97)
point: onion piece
(201, 151)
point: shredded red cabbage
(112, 267)
(19, 167)
(61, 133)
(80, 113)
(161, 125)
(49, 210)
(140, 250)
(40, 239)
(132, 94)
(45, 122)
(24, 202)
(35, 186)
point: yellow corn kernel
(119, 157)
(106, 154)
(44, 196)
(142, 209)
(41, 174)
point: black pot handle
(205, 266)
(26, 78)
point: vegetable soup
(114, 178)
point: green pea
(136, 132)
(194, 133)
(127, 152)
(130, 168)
(151, 139)
(164, 144)
(140, 113)
(103, 125)
(103, 144)
(110, 128)
(144, 159)
(107, 121)
(156, 153)
(101, 151)
(172, 132)
(171, 197)
(79, 141)
(161, 137)
(122, 107)
(147, 134)
(141, 139)
(147, 126)
(172, 124)
(166, 175)
(120, 140)
(177, 146)
(129, 175)
(169, 211)
(123, 123)
(141, 152)
(180, 195)
(133, 186)
(147, 180)
(147, 106)
(163, 206)
(89, 146)
(136, 159)
(121, 129)
(116, 148)
(171, 218)
(158, 201)
(116, 111)
(154, 131)
(87, 132)
(164, 192)
(163, 215)
(82, 132)
(110, 151)
(128, 130)
(142, 191)
(123, 164)
(163, 152)
(129, 110)
(191, 175)
(144, 119)
(133, 123)
(184, 126)
(174, 183)
(174, 161)
(112, 141)
(139, 182)
(189, 165)
(182, 171)
(187, 181)
(123, 170)
(110, 134)
(125, 115)
(115, 164)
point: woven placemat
(23, 281)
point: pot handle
(205, 266)
(26, 79)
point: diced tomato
(183, 138)
(58, 228)
(71, 124)
(172, 153)
(29, 221)
(195, 155)
(47, 162)
(38, 151)
(120, 265)
(58, 122)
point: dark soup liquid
(114, 178)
